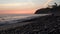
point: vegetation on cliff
(54, 9)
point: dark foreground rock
(40, 25)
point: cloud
(25, 5)
(48, 1)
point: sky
(23, 6)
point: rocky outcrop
(54, 10)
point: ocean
(14, 18)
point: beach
(38, 25)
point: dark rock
(41, 25)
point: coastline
(43, 24)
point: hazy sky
(23, 6)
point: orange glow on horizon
(17, 11)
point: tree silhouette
(54, 10)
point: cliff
(55, 9)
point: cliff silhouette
(55, 9)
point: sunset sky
(23, 6)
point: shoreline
(8, 26)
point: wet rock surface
(41, 25)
